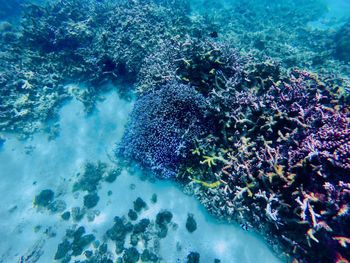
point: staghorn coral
(258, 165)
(284, 143)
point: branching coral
(287, 138)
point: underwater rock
(129, 227)
(163, 218)
(79, 232)
(131, 255)
(12, 209)
(119, 247)
(80, 243)
(154, 198)
(65, 216)
(132, 215)
(148, 256)
(57, 206)
(141, 226)
(62, 250)
(134, 239)
(112, 175)
(77, 213)
(91, 177)
(193, 257)
(91, 200)
(103, 248)
(88, 253)
(91, 214)
(45, 198)
(214, 34)
(118, 231)
(5, 26)
(162, 232)
(139, 204)
(97, 257)
(191, 224)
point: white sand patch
(54, 165)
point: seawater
(29, 166)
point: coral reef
(88, 42)
(281, 159)
(283, 31)
(222, 106)
(277, 156)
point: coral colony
(255, 139)
(277, 160)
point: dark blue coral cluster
(163, 125)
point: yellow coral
(210, 160)
(206, 184)
(196, 151)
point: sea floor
(29, 166)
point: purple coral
(330, 144)
(162, 126)
(285, 160)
